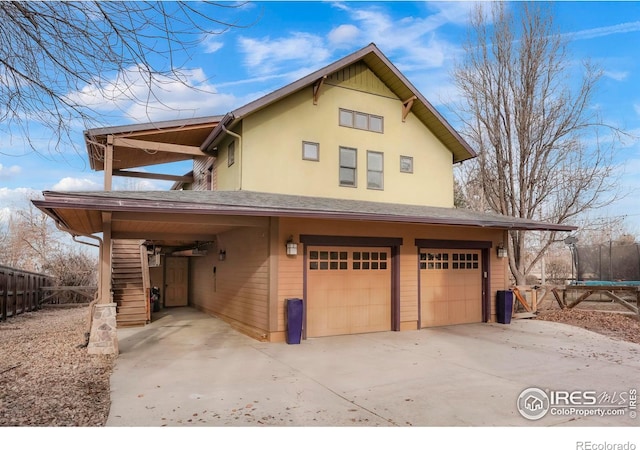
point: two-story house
(336, 189)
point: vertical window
(231, 153)
(375, 170)
(311, 151)
(348, 158)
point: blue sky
(287, 40)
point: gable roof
(383, 69)
(81, 211)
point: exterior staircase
(130, 282)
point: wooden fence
(20, 291)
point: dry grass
(47, 377)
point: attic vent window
(361, 121)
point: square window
(313, 265)
(311, 151)
(356, 255)
(343, 265)
(313, 255)
(356, 266)
(324, 255)
(344, 255)
(346, 118)
(361, 121)
(383, 266)
(375, 124)
(406, 164)
(324, 265)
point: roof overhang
(387, 72)
(150, 143)
(203, 214)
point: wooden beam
(316, 89)
(406, 107)
(624, 303)
(192, 219)
(153, 176)
(516, 292)
(561, 302)
(157, 146)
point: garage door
(348, 290)
(450, 286)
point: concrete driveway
(190, 369)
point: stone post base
(104, 337)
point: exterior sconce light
(502, 252)
(222, 255)
(292, 247)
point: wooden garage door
(348, 290)
(450, 286)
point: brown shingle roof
(262, 204)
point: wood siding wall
(238, 291)
(203, 174)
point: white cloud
(76, 184)
(627, 27)
(10, 171)
(143, 99)
(264, 55)
(13, 199)
(617, 75)
(344, 35)
(211, 44)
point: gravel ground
(46, 376)
(48, 379)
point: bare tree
(537, 136)
(49, 50)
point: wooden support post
(5, 296)
(105, 263)
(108, 164)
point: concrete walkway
(190, 369)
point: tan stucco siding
(291, 281)
(229, 177)
(239, 289)
(272, 150)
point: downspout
(239, 138)
(92, 305)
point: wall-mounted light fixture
(222, 255)
(502, 252)
(292, 247)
